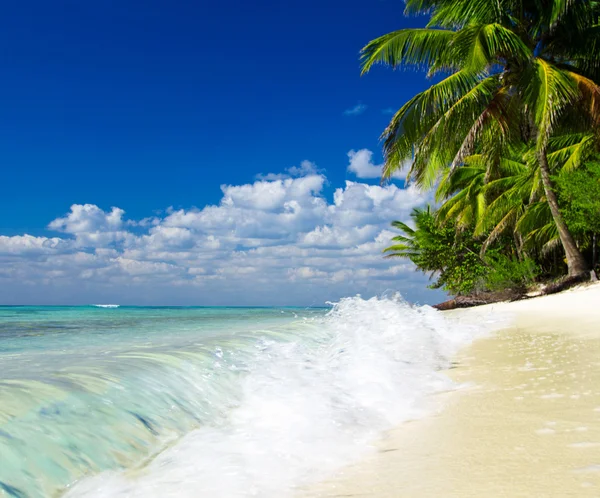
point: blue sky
(152, 106)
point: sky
(199, 153)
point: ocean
(216, 402)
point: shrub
(508, 272)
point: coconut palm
(516, 71)
(408, 245)
(463, 191)
(439, 250)
(507, 196)
(490, 206)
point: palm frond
(418, 48)
(547, 92)
(589, 93)
(415, 118)
(480, 46)
(572, 156)
(456, 13)
(439, 141)
(506, 222)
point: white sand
(528, 425)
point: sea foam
(307, 405)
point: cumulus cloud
(306, 168)
(357, 110)
(362, 165)
(27, 244)
(88, 218)
(92, 226)
(284, 240)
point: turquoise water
(86, 389)
(208, 402)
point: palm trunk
(594, 276)
(594, 253)
(518, 245)
(575, 261)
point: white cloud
(27, 244)
(91, 226)
(305, 272)
(337, 237)
(357, 110)
(279, 241)
(88, 218)
(306, 168)
(361, 164)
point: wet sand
(526, 424)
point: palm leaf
(409, 47)
(548, 91)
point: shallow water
(528, 425)
(219, 402)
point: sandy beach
(526, 423)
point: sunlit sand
(527, 422)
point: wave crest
(309, 401)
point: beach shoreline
(524, 424)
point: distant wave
(106, 305)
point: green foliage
(510, 63)
(452, 257)
(449, 255)
(579, 192)
(508, 272)
(519, 100)
(495, 231)
(464, 271)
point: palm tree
(519, 198)
(408, 244)
(425, 245)
(489, 205)
(439, 250)
(508, 195)
(517, 71)
(463, 191)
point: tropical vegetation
(507, 135)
